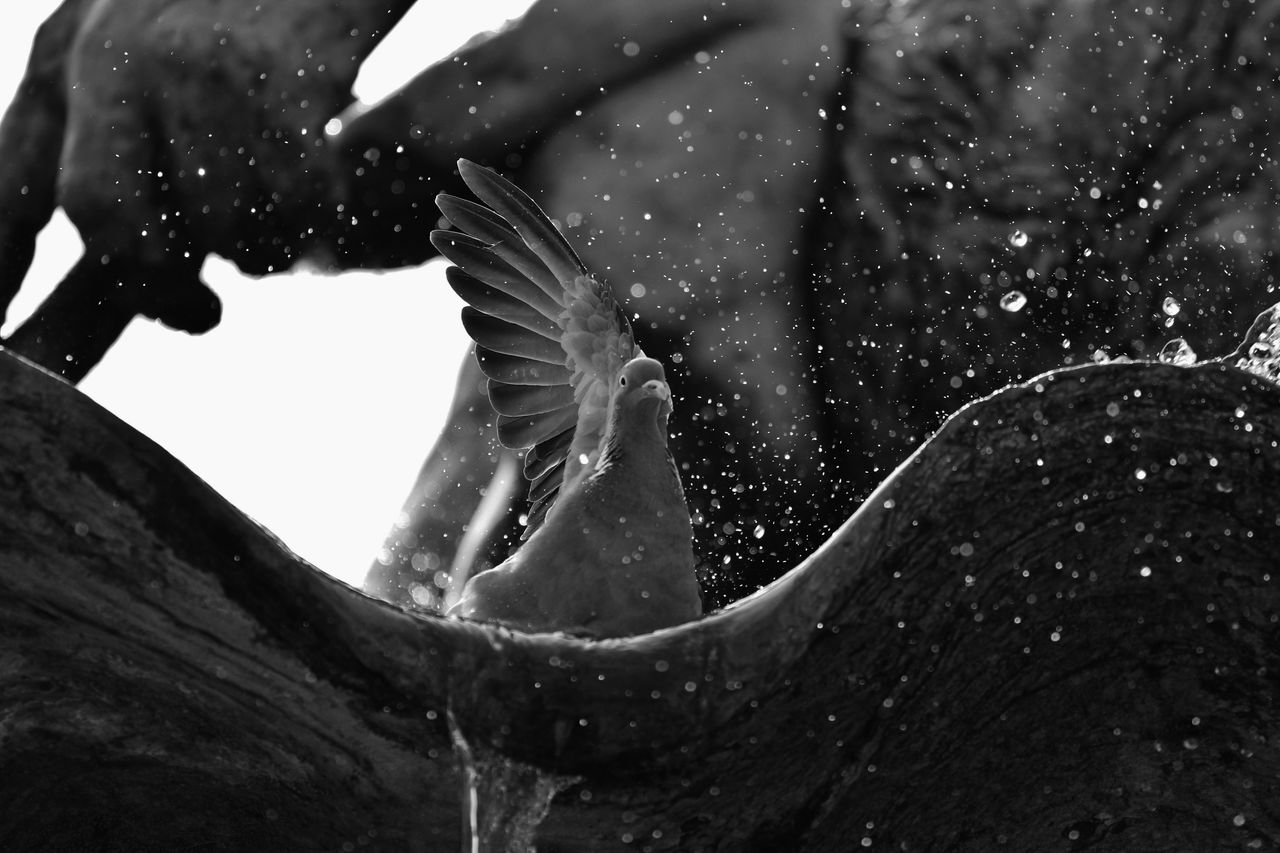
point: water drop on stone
(1263, 355)
(1178, 352)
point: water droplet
(1018, 238)
(1013, 301)
(758, 532)
(1170, 306)
(1263, 357)
(1179, 352)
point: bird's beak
(660, 391)
(657, 388)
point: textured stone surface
(1051, 627)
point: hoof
(194, 310)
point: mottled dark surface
(169, 131)
(1051, 629)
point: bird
(607, 549)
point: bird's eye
(622, 380)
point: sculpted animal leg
(172, 130)
(72, 329)
(457, 477)
(91, 307)
(496, 95)
(30, 143)
(137, 259)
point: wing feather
(501, 336)
(477, 259)
(517, 400)
(515, 370)
(538, 511)
(527, 430)
(550, 336)
(546, 455)
(495, 303)
(547, 483)
(501, 240)
(520, 212)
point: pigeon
(607, 549)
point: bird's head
(642, 392)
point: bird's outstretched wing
(550, 337)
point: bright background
(313, 422)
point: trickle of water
(1170, 306)
(1018, 238)
(1013, 301)
(1263, 356)
(1178, 352)
(503, 800)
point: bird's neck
(629, 444)
(638, 472)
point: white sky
(315, 401)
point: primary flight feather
(608, 547)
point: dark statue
(1047, 626)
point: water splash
(1178, 352)
(1013, 301)
(1261, 350)
(503, 800)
